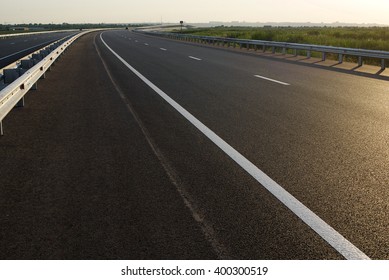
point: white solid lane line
(2, 58)
(275, 81)
(195, 58)
(329, 234)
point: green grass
(371, 38)
(374, 38)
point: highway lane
(324, 134)
(317, 135)
(85, 183)
(14, 48)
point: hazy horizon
(213, 24)
(200, 11)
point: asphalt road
(14, 48)
(98, 165)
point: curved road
(101, 163)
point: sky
(194, 11)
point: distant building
(20, 28)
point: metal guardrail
(25, 77)
(255, 44)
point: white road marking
(197, 214)
(146, 44)
(275, 81)
(195, 58)
(329, 234)
(162, 49)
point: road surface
(99, 165)
(14, 48)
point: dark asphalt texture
(14, 48)
(83, 183)
(95, 169)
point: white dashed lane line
(195, 58)
(272, 80)
(324, 230)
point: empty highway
(14, 48)
(137, 147)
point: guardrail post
(43, 75)
(383, 56)
(340, 58)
